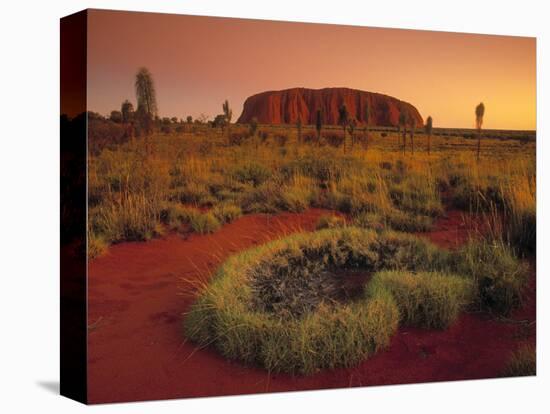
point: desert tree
(367, 116)
(253, 128)
(318, 125)
(352, 124)
(219, 121)
(127, 110)
(202, 118)
(116, 117)
(228, 113)
(147, 103)
(343, 120)
(429, 128)
(412, 125)
(189, 119)
(299, 129)
(402, 125)
(480, 112)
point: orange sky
(198, 62)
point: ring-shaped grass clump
(280, 305)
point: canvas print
(273, 206)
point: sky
(198, 62)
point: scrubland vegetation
(134, 195)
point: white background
(29, 206)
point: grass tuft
(426, 299)
(522, 363)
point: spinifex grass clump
(281, 306)
(500, 278)
(426, 299)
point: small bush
(386, 165)
(426, 299)
(226, 213)
(204, 223)
(330, 222)
(334, 139)
(261, 199)
(136, 220)
(174, 215)
(237, 138)
(192, 193)
(297, 196)
(281, 139)
(309, 137)
(499, 276)
(97, 246)
(522, 363)
(253, 173)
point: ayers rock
(286, 106)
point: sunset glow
(198, 62)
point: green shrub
(136, 220)
(522, 363)
(298, 195)
(417, 197)
(261, 199)
(174, 215)
(226, 213)
(499, 276)
(192, 193)
(204, 223)
(254, 174)
(426, 299)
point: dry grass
(378, 186)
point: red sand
(137, 350)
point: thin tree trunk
(429, 143)
(344, 140)
(478, 143)
(412, 142)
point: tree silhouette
(403, 126)
(352, 124)
(126, 109)
(147, 103)
(228, 113)
(318, 125)
(480, 112)
(299, 129)
(116, 117)
(253, 126)
(367, 116)
(429, 128)
(412, 123)
(343, 119)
